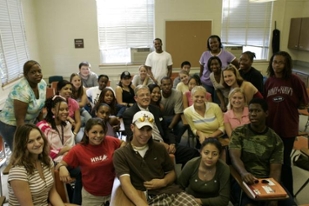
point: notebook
(266, 187)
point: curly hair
(21, 156)
(53, 103)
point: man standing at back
(144, 165)
(159, 63)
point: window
(13, 47)
(124, 24)
(247, 24)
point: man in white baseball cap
(145, 165)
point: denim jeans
(7, 132)
(76, 196)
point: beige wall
(52, 26)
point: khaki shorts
(91, 200)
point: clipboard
(266, 188)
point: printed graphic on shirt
(100, 158)
(280, 90)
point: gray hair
(139, 87)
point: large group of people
(226, 107)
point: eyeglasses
(279, 63)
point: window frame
(13, 42)
(250, 27)
(124, 32)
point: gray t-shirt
(173, 104)
(91, 81)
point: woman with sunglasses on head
(24, 103)
(58, 132)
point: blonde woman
(143, 78)
(238, 113)
(232, 79)
(205, 118)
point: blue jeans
(84, 116)
(7, 132)
(76, 195)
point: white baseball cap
(143, 118)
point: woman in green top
(207, 177)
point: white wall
(59, 23)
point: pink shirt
(229, 117)
(73, 106)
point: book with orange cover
(266, 187)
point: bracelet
(60, 167)
(74, 133)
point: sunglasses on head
(144, 118)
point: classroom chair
(54, 79)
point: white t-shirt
(94, 93)
(159, 63)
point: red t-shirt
(96, 164)
(284, 96)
